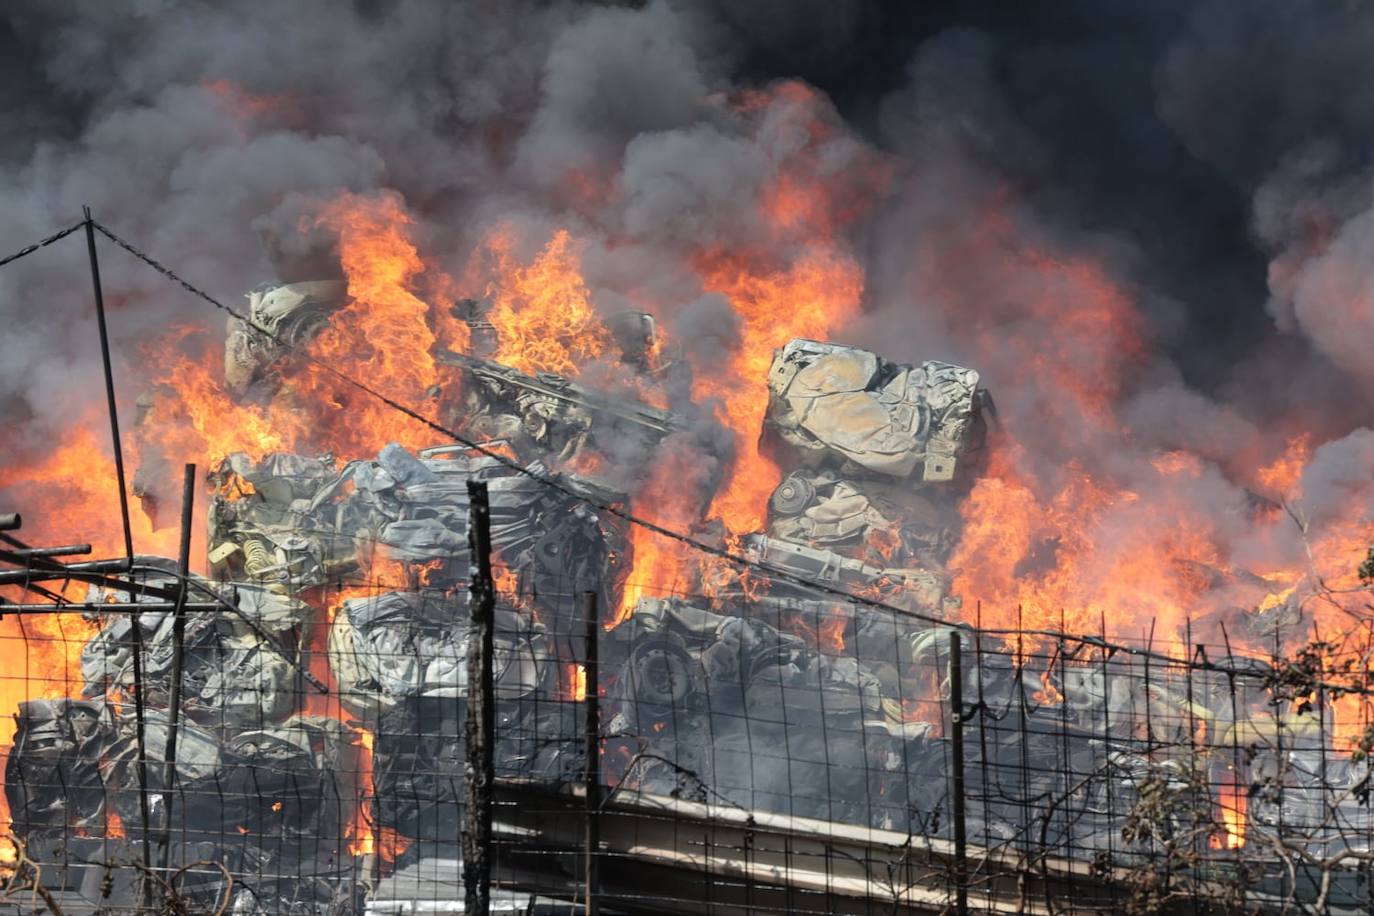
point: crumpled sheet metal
(400, 645)
(298, 523)
(679, 653)
(271, 525)
(757, 711)
(818, 508)
(915, 589)
(553, 415)
(233, 675)
(847, 407)
(53, 781)
(292, 313)
(291, 779)
(748, 710)
(75, 760)
(230, 676)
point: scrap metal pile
(767, 693)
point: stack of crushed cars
(775, 694)
(258, 785)
(269, 774)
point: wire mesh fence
(755, 749)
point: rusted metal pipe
(97, 572)
(70, 550)
(43, 569)
(89, 608)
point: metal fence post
(592, 776)
(956, 734)
(481, 718)
(188, 496)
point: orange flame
(1233, 801)
(359, 833)
(660, 564)
(542, 312)
(1280, 477)
(832, 632)
(575, 682)
(812, 297)
(382, 336)
(244, 105)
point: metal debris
(844, 407)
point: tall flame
(542, 311)
(812, 297)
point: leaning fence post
(481, 719)
(136, 631)
(956, 734)
(592, 775)
(188, 496)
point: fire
(390, 845)
(542, 312)
(1351, 715)
(382, 336)
(1233, 801)
(506, 583)
(1280, 477)
(1046, 562)
(808, 199)
(660, 564)
(832, 632)
(575, 682)
(191, 418)
(359, 833)
(812, 292)
(1069, 545)
(930, 712)
(386, 574)
(1042, 547)
(73, 488)
(812, 297)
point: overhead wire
(42, 243)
